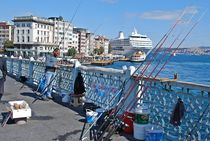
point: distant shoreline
(194, 51)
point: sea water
(189, 68)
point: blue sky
(108, 17)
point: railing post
(31, 71)
(11, 66)
(19, 69)
(129, 84)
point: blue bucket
(154, 133)
(90, 116)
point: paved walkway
(50, 121)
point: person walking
(3, 72)
(51, 63)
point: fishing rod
(109, 135)
(163, 38)
(124, 115)
(141, 74)
(179, 44)
(165, 53)
(124, 98)
(168, 59)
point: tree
(101, 50)
(72, 52)
(8, 44)
(98, 51)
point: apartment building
(75, 40)
(101, 41)
(82, 40)
(6, 33)
(63, 35)
(33, 36)
(90, 43)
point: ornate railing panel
(162, 97)
(103, 85)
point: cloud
(160, 15)
(110, 1)
(163, 15)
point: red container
(128, 119)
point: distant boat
(138, 56)
(102, 61)
(127, 46)
(174, 54)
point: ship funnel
(121, 35)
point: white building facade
(62, 34)
(33, 36)
(75, 40)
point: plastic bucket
(65, 97)
(154, 133)
(100, 111)
(142, 115)
(128, 119)
(90, 116)
(139, 131)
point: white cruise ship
(128, 46)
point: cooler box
(19, 109)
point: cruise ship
(134, 43)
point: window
(18, 25)
(28, 31)
(18, 31)
(28, 39)
(23, 39)
(28, 24)
(23, 25)
(37, 39)
(23, 31)
(18, 39)
(38, 32)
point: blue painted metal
(103, 87)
